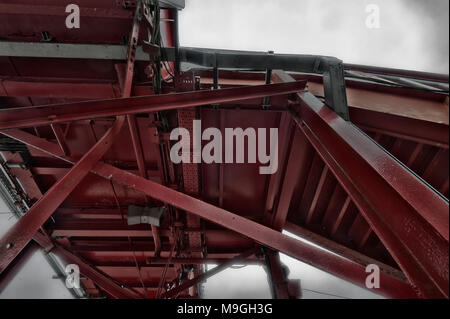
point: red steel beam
(113, 289)
(317, 192)
(59, 134)
(23, 231)
(205, 275)
(291, 175)
(101, 280)
(277, 276)
(201, 261)
(46, 10)
(139, 154)
(308, 253)
(345, 252)
(293, 172)
(116, 248)
(107, 228)
(137, 144)
(285, 129)
(410, 218)
(131, 118)
(341, 215)
(61, 88)
(421, 131)
(45, 115)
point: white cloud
(410, 37)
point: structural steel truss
(363, 161)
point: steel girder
(44, 115)
(116, 12)
(47, 245)
(203, 276)
(420, 131)
(108, 285)
(336, 138)
(127, 82)
(276, 274)
(351, 270)
(23, 231)
(366, 167)
(331, 68)
(233, 59)
(365, 171)
(410, 218)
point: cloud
(435, 26)
(413, 34)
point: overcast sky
(35, 278)
(251, 282)
(413, 34)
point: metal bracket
(145, 215)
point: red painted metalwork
(60, 138)
(297, 249)
(47, 10)
(131, 119)
(278, 276)
(355, 202)
(42, 115)
(21, 233)
(113, 289)
(368, 174)
(289, 183)
(202, 277)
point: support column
(276, 275)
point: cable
(163, 276)
(164, 63)
(324, 293)
(238, 267)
